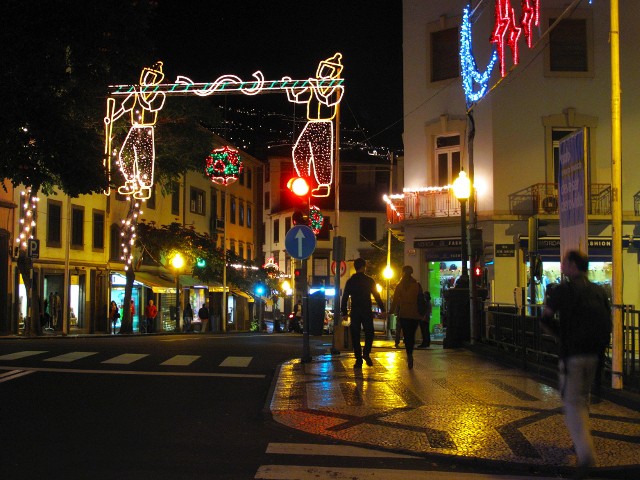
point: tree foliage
(160, 243)
(56, 60)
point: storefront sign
(505, 250)
(437, 242)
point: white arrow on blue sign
(300, 242)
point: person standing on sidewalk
(150, 314)
(425, 323)
(584, 332)
(360, 287)
(405, 306)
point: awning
(162, 283)
(232, 291)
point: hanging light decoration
(316, 220)
(223, 166)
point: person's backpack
(591, 318)
(423, 306)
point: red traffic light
(477, 271)
(297, 272)
(298, 186)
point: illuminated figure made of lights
(314, 148)
(136, 157)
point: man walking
(360, 287)
(584, 332)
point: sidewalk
(455, 406)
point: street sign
(343, 268)
(33, 248)
(300, 242)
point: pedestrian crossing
(66, 360)
(360, 456)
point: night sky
(203, 40)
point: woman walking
(114, 315)
(405, 306)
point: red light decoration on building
(507, 31)
(316, 220)
(223, 166)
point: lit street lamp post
(388, 275)
(177, 262)
(462, 190)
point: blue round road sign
(300, 242)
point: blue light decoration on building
(470, 74)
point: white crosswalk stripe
(181, 360)
(13, 374)
(70, 357)
(236, 362)
(23, 354)
(313, 472)
(126, 358)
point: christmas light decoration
(470, 74)
(316, 220)
(313, 150)
(28, 218)
(136, 158)
(530, 15)
(128, 234)
(507, 31)
(226, 84)
(223, 165)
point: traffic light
(476, 245)
(477, 272)
(298, 186)
(300, 217)
(297, 272)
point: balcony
(540, 198)
(431, 202)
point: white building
(560, 84)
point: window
(114, 244)
(249, 253)
(54, 222)
(558, 134)
(570, 52)
(241, 250)
(267, 174)
(175, 199)
(249, 216)
(267, 200)
(276, 231)
(287, 224)
(444, 54)
(241, 178)
(232, 210)
(98, 230)
(448, 157)
(348, 176)
(249, 174)
(367, 229)
(77, 227)
(196, 201)
(320, 267)
(151, 201)
(241, 214)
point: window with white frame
(448, 159)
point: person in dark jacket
(405, 305)
(578, 360)
(360, 287)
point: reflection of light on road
(472, 427)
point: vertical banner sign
(573, 196)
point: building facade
(79, 267)
(558, 85)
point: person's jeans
(576, 375)
(367, 326)
(409, 327)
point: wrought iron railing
(542, 198)
(520, 336)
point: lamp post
(388, 275)
(177, 262)
(462, 191)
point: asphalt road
(162, 407)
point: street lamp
(462, 191)
(387, 273)
(177, 262)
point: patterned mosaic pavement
(452, 403)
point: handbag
(423, 307)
